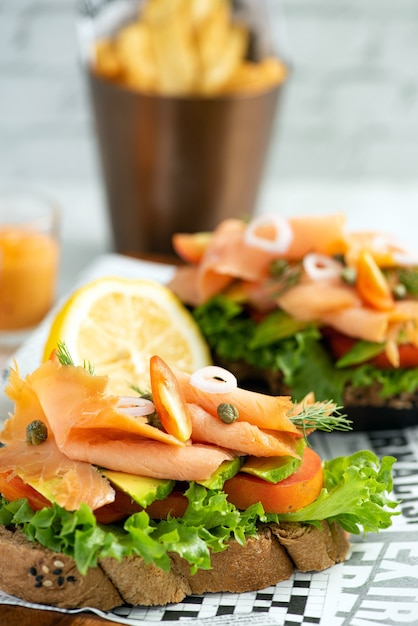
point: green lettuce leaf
(275, 327)
(209, 523)
(308, 367)
(297, 351)
(355, 494)
(393, 382)
(360, 352)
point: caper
(399, 291)
(349, 275)
(227, 413)
(153, 419)
(36, 432)
(278, 267)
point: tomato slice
(408, 357)
(14, 488)
(291, 494)
(118, 510)
(191, 246)
(169, 400)
(341, 344)
(174, 504)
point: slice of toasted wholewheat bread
(36, 574)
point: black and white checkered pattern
(296, 601)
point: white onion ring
(284, 234)
(385, 243)
(319, 266)
(382, 242)
(405, 259)
(135, 406)
(213, 379)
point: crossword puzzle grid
(298, 601)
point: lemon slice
(117, 324)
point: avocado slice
(142, 489)
(275, 468)
(226, 470)
(47, 488)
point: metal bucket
(178, 164)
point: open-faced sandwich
(301, 304)
(200, 486)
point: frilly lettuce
(280, 343)
(355, 494)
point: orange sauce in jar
(28, 276)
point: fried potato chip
(169, 24)
(179, 47)
(133, 45)
(201, 10)
(106, 60)
(225, 60)
(153, 11)
(251, 76)
(212, 32)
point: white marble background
(346, 136)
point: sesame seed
(32, 571)
(47, 583)
(45, 569)
(58, 563)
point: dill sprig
(321, 416)
(283, 275)
(153, 419)
(143, 394)
(408, 277)
(63, 354)
(65, 358)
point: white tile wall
(352, 105)
(350, 110)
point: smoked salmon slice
(360, 323)
(74, 402)
(226, 258)
(149, 458)
(382, 247)
(71, 481)
(268, 412)
(313, 300)
(229, 256)
(184, 284)
(242, 437)
(325, 234)
(236, 261)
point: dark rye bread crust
(36, 574)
